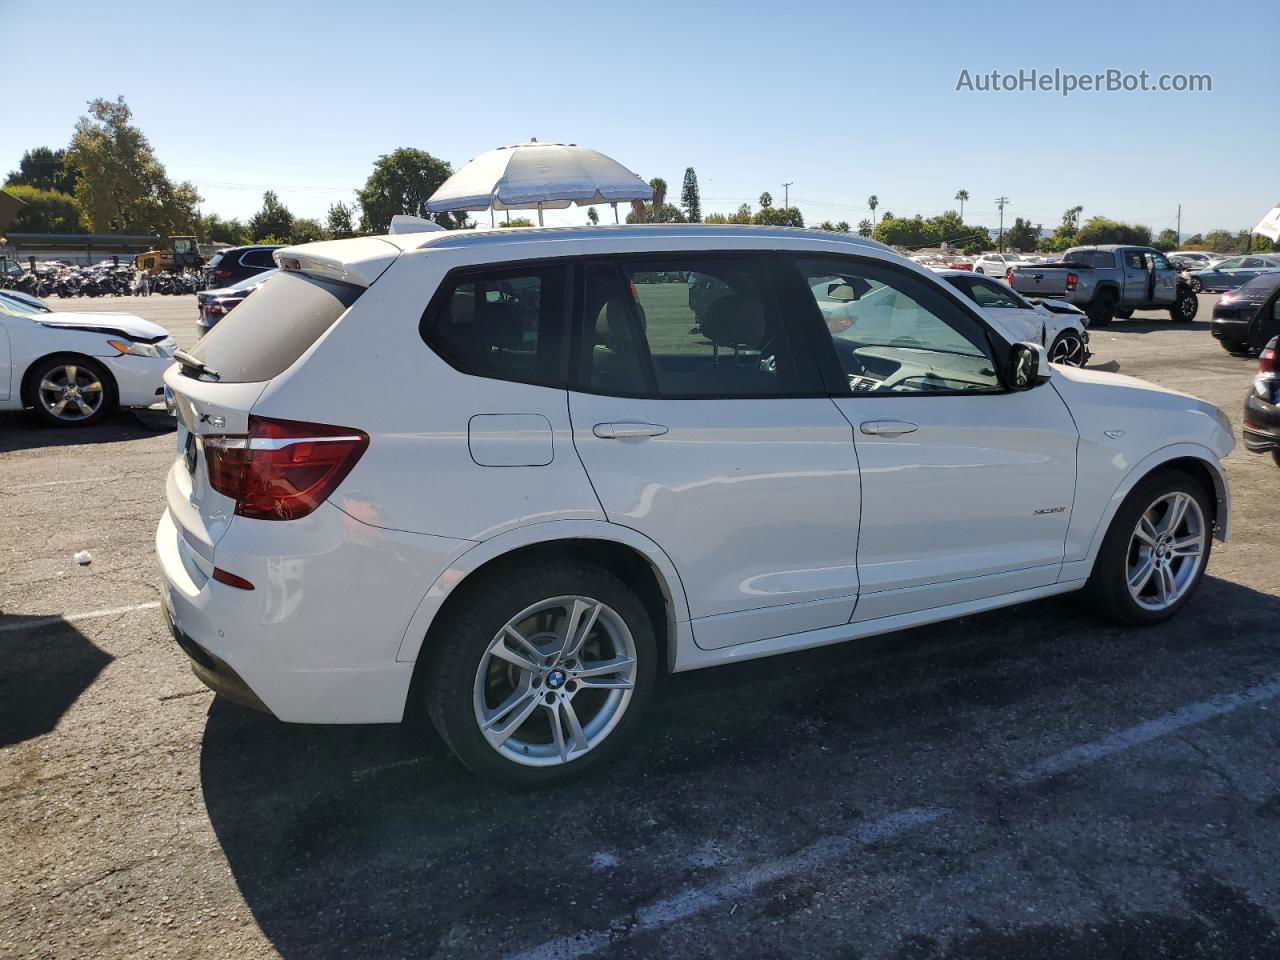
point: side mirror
(1028, 366)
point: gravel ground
(1026, 783)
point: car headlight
(138, 349)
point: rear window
(215, 260)
(1092, 258)
(273, 327)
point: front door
(705, 427)
(1136, 278)
(967, 487)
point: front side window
(893, 333)
(501, 323)
(686, 326)
(1134, 260)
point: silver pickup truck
(1108, 281)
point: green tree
(865, 227)
(778, 217)
(45, 169)
(873, 201)
(1168, 240)
(766, 200)
(1220, 241)
(841, 227)
(962, 196)
(273, 220)
(517, 222)
(669, 213)
(214, 229)
(122, 187)
(307, 230)
(46, 211)
(716, 218)
(340, 221)
(1195, 240)
(690, 198)
(402, 182)
(741, 215)
(1066, 235)
(659, 201)
(1021, 236)
(1101, 230)
(592, 217)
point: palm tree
(864, 228)
(659, 197)
(962, 196)
(873, 201)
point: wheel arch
(1193, 459)
(634, 558)
(26, 391)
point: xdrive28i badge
(189, 453)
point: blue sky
(844, 99)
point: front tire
(1185, 307)
(543, 672)
(68, 390)
(1155, 551)
(1195, 284)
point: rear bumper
(1261, 429)
(316, 640)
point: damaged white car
(73, 369)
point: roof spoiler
(405, 223)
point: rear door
(703, 424)
(966, 487)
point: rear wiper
(187, 360)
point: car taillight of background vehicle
(1264, 383)
(1227, 297)
(282, 469)
(1072, 280)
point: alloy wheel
(70, 392)
(555, 681)
(1166, 551)
(1068, 349)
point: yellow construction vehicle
(183, 254)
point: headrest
(735, 321)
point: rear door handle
(888, 428)
(620, 431)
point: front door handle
(620, 431)
(888, 428)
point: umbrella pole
(491, 216)
(615, 212)
(539, 214)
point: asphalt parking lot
(1026, 783)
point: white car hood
(125, 323)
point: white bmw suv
(514, 476)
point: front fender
(1176, 451)
(475, 556)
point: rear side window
(1099, 259)
(503, 323)
(273, 327)
(258, 258)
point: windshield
(16, 308)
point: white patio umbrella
(525, 176)
(1269, 226)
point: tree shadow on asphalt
(375, 841)
(22, 431)
(44, 668)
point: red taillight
(222, 273)
(283, 469)
(1267, 359)
(1227, 297)
(1072, 280)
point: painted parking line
(75, 617)
(1187, 716)
(695, 900)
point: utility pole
(786, 195)
(1179, 244)
(1000, 202)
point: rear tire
(1102, 308)
(475, 680)
(1152, 545)
(1185, 307)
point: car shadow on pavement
(45, 665)
(22, 431)
(375, 841)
